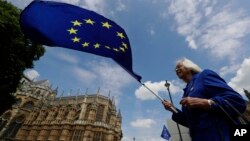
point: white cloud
(191, 42)
(74, 2)
(23, 3)
(208, 11)
(120, 6)
(142, 123)
(241, 80)
(67, 57)
(83, 75)
(152, 31)
(20, 3)
(220, 29)
(32, 74)
(95, 5)
(185, 14)
(110, 78)
(144, 94)
(225, 70)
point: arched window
(77, 135)
(87, 112)
(71, 113)
(1, 123)
(115, 138)
(4, 119)
(108, 116)
(99, 113)
(6, 116)
(28, 105)
(61, 113)
(14, 127)
(18, 102)
(97, 136)
(38, 92)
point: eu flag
(165, 133)
(64, 25)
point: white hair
(189, 64)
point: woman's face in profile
(181, 71)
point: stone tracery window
(87, 112)
(4, 119)
(77, 135)
(108, 116)
(97, 136)
(99, 113)
(28, 105)
(14, 127)
(18, 102)
(6, 116)
(2, 123)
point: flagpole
(139, 80)
(161, 99)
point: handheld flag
(64, 25)
(165, 133)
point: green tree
(17, 53)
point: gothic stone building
(39, 116)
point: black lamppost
(167, 85)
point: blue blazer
(212, 124)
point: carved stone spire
(119, 115)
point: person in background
(209, 105)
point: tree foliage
(17, 53)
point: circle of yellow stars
(73, 31)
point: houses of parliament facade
(39, 115)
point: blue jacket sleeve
(222, 94)
(180, 118)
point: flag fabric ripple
(64, 25)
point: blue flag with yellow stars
(64, 25)
(165, 133)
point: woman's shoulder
(209, 73)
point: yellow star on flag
(122, 49)
(75, 39)
(76, 23)
(89, 21)
(115, 49)
(125, 45)
(85, 44)
(106, 24)
(72, 30)
(107, 47)
(97, 45)
(120, 34)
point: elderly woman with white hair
(209, 105)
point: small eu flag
(165, 133)
(64, 25)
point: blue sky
(212, 33)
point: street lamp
(167, 85)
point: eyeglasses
(179, 67)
